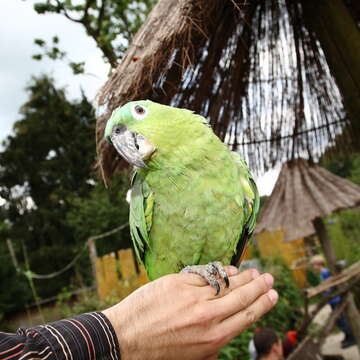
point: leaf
(39, 42)
(37, 57)
(77, 68)
(42, 8)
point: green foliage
(283, 317)
(355, 169)
(15, 291)
(343, 226)
(345, 166)
(287, 311)
(77, 68)
(238, 347)
(86, 302)
(344, 233)
(46, 174)
(53, 52)
(110, 23)
(103, 210)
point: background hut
(303, 194)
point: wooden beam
(325, 243)
(348, 274)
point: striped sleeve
(88, 336)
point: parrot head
(139, 129)
(124, 131)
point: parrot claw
(209, 272)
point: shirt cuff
(87, 336)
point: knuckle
(250, 317)
(263, 286)
(203, 316)
(191, 297)
(216, 339)
(243, 300)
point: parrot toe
(209, 273)
(221, 271)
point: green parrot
(193, 201)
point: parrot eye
(139, 112)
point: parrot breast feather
(141, 211)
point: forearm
(88, 336)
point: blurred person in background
(318, 264)
(268, 345)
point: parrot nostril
(119, 129)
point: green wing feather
(141, 212)
(250, 205)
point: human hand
(178, 316)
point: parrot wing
(141, 212)
(251, 205)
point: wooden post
(325, 244)
(93, 256)
(354, 318)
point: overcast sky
(19, 26)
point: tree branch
(85, 18)
(100, 17)
(66, 14)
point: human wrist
(117, 318)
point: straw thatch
(302, 193)
(255, 69)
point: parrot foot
(209, 272)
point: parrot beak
(133, 147)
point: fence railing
(117, 275)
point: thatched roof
(254, 68)
(303, 192)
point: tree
(45, 166)
(110, 23)
(104, 209)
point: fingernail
(269, 279)
(255, 273)
(273, 296)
